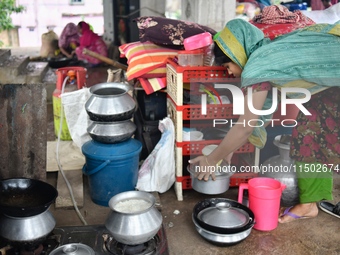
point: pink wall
(40, 14)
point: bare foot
(299, 211)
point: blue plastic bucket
(111, 168)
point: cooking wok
(24, 197)
(60, 62)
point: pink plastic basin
(197, 41)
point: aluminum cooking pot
(27, 229)
(212, 187)
(110, 102)
(111, 132)
(133, 219)
(24, 197)
(233, 218)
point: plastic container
(77, 80)
(192, 136)
(264, 201)
(111, 168)
(201, 41)
(290, 196)
(177, 75)
(190, 58)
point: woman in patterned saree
(69, 40)
(308, 58)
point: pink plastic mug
(264, 201)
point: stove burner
(37, 250)
(118, 248)
(96, 236)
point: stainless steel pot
(212, 187)
(111, 132)
(110, 102)
(133, 218)
(25, 229)
(222, 239)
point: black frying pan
(59, 62)
(211, 202)
(24, 197)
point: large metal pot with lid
(133, 218)
(222, 220)
(110, 102)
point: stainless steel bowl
(111, 132)
(138, 222)
(110, 102)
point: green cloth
(315, 182)
(306, 58)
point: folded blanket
(276, 14)
(151, 85)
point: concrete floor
(317, 236)
(313, 236)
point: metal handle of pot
(95, 170)
(241, 187)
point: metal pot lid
(224, 215)
(73, 249)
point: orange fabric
(153, 84)
(146, 60)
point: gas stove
(95, 236)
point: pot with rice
(133, 218)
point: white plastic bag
(76, 115)
(157, 172)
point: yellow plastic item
(65, 133)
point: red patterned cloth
(277, 14)
(277, 20)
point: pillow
(168, 32)
(153, 84)
(146, 60)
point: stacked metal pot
(112, 156)
(110, 109)
(222, 221)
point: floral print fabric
(316, 138)
(168, 32)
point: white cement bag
(76, 116)
(157, 172)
